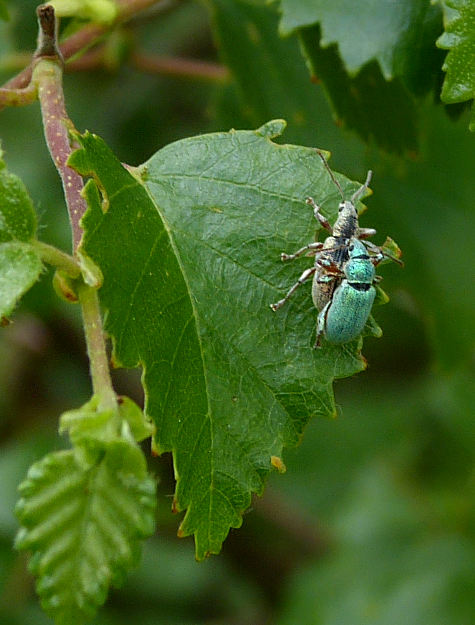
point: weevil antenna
(327, 167)
(357, 194)
(391, 257)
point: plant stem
(47, 74)
(57, 126)
(96, 347)
(55, 257)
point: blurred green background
(374, 521)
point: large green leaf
(371, 57)
(398, 35)
(272, 78)
(20, 264)
(459, 39)
(191, 264)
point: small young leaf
(20, 268)
(459, 39)
(20, 264)
(88, 422)
(191, 263)
(84, 523)
(140, 425)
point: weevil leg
(322, 317)
(305, 276)
(329, 267)
(380, 255)
(365, 233)
(318, 215)
(311, 247)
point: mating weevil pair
(344, 270)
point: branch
(84, 38)
(172, 66)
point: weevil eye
(351, 248)
(341, 207)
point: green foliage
(459, 39)
(17, 215)
(373, 521)
(20, 268)
(234, 382)
(100, 11)
(388, 571)
(399, 36)
(85, 511)
(248, 42)
(3, 10)
(364, 101)
(364, 55)
(20, 264)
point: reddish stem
(48, 76)
(57, 127)
(173, 66)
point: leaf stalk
(96, 347)
(57, 258)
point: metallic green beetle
(343, 318)
(332, 256)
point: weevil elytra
(343, 318)
(332, 255)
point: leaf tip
(272, 129)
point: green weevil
(343, 318)
(332, 255)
